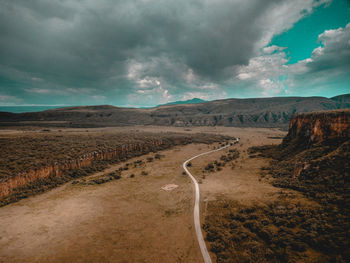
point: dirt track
(126, 220)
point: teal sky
(302, 38)
(145, 53)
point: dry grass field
(126, 219)
(123, 214)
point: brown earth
(131, 219)
(125, 220)
(312, 161)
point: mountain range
(255, 112)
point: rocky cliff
(317, 127)
(22, 176)
(314, 157)
(313, 160)
(58, 169)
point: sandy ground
(132, 219)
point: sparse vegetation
(224, 159)
(157, 156)
(35, 162)
(104, 179)
(278, 232)
(292, 229)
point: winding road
(197, 224)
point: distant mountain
(192, 101)
(20, 109)
(260, 112)
(342, 98)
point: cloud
(272, 49)
(98, 98)
(150, 97)
(334, 53)
(121, 47)
(204, 95)
(270, 74)
(7, 100)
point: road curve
(197, 223)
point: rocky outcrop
(58, 169)
(311, 128)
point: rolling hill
(259, 112)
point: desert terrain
(132, 219)
(137, 206)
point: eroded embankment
(58, 169)
(316, 127)
(34, 180)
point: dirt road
(196, 215)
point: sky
(137, 53)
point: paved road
(197, 223)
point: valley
(130, 219)
(260, 196)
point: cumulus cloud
(7, 100)
(271, 74)
(334, 53)
(122, 49)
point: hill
(191, 101)
(259, 112)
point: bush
(209, 167)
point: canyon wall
(58, 169)
(317, 127)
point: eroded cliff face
(311, 128)
(58, 169)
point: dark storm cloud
(96, 45)
(94, 36)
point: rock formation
(57, 169)
(311, 128)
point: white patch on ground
(169, 187)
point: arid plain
(132, 219)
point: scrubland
(251, 208)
